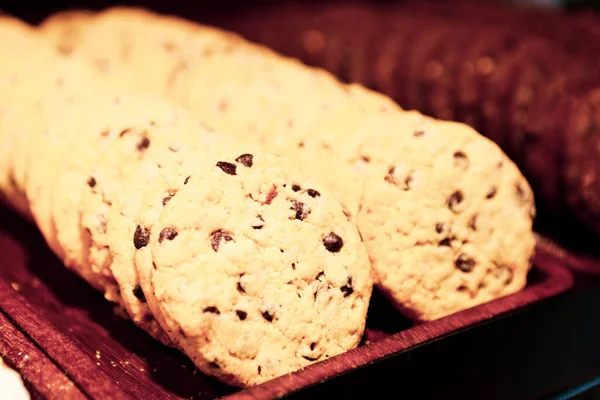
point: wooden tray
(67, 342)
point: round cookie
(279, 274)
(102, 119)
(167, 182)
(16, 75)
(186, 140)
(458, 231)
(44, 103)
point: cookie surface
(459, 231)
(279, 274)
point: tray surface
(72, 335)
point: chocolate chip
(389, 178)
(319, 275)
(418, 133)
(461, 160)
(296, 188)
(259, 369)
(407, 182)
(491, 193)
(293, 265)
(454, 200)
(311, 358)
(445, 242)
(313, 193)
(214, 365)
(141, 237)
(245, 160)
(464, 263)
(91, 182)
(186, 180)
(217, 236)
(143, 144)
(241, 314)
(228, 168)
(266, 315)
(473, 222)
(139, 293)
(365, 159)
(125, 132)
(347, 288)
(165, 200)
(240, 288)
(333, 242)
(300, 208)
(167, 233)
(521, 195)
(439, 227)
(211, 309)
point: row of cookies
(347, 136)
(225, 244)
(523, 78)
(444, 215)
